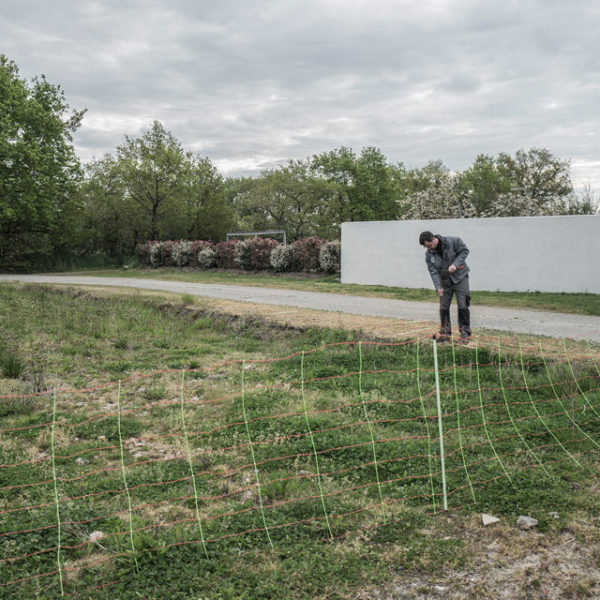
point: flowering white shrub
(181, 253)
(207, 258)
(243, 255)
(440, 201)
(517, 205)
(329, 257)
(283, 258)
(156, 255)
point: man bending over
(445, 258)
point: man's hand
(452, 268)
(440, 292)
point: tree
(484, 183)
(289, 197)
(39, 171)
(362, 188)
(529, 184)
(538, 175)
(208, 215)
(153, 169)
(107, 220)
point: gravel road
(534, 322)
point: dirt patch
(508, 564)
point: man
(445, 258)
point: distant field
(228, 457)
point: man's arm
(435, 276)
(461, 250)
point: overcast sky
(253, 83)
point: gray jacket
(454, 252)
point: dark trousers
(463, 299)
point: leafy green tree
(151, 190)
(363, 188)
(538, 175)
(39, 171)
(484, 183)
(289, 197)
(208, 215)
(434, 174)
(107, 220)
(153, 169)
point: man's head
(428, 240)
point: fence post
(440, 428)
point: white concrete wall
(547, 254)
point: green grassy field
(225, 457)
(584, 304)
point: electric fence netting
(323, 444)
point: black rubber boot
(445, 327)
(464, 323)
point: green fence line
(362, 416)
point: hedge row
(311, 254)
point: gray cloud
(251, 84)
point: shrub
(329, 257)
(243, 255)
(196, 247)
(155, 254)
(143, 252)
(181, 253)
(260, 252)
(225, 254)
(161, 254)
(307, 253)
(283, 258)
(207, 258)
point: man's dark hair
(426, 236)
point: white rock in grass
(488, 519)
(524, 522)
(82, 461)
(96, 535)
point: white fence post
(440, 428)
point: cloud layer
(251, 84)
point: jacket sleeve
(461, 250)
(435, 276)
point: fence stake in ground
(440, 428)
(56, 500)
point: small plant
(155, 393)
(15, 406)
(188, 299)
(121, 343)
(11, 365)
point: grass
(584, 304)
(316, 475)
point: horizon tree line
(151, 188)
